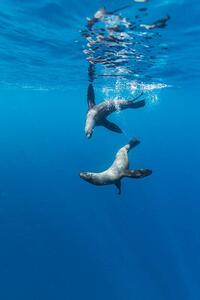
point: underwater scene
(99, 150)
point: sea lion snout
(89, 134)
(89, 128)
(85, 176)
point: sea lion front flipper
(140, 173)
(90, 96)
(109, 125)
(118, 186)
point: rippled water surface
(42, 45)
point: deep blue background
(61, 238)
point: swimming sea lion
(118, 170)
(97, 114)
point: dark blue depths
(61, 238)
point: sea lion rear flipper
(140, 173)
(138, 96)
(118, 186)
(90, 96)
(132, 143)
(137, 104)
(109, 125)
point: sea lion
(97, 114)
(118, 170)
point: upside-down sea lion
(97, 114)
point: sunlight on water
(41, 44)
(123, 53)
(124, 90)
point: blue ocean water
(60, 237)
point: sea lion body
(115, 172)
(118, 169)
(97, 114)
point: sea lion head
(90, 123)
(89, 127)
(89, 133)
(87, 176)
